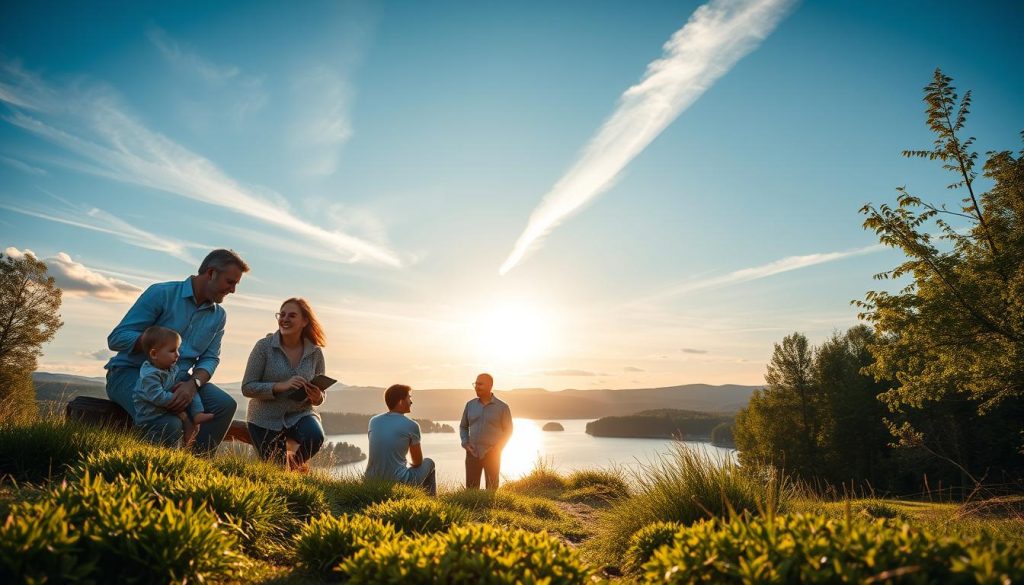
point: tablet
(322, 382)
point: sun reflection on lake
(523, 449)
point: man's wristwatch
(199, 383)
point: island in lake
(351, 423)
(666, 423)
(553, 426)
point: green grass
(682, 486)
(79, 504)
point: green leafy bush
(417, 516)
(647, 540)
(326, 542)
(97, 530)
(48, 448)
(802, 548)
(472, 554)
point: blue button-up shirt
(172, 305)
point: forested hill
(447, 404)
(661, 423)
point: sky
(568, 195)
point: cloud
(570, 372)
(691, 350)
(22, 166)
(323, 123)
(75, 278)
(99, 355)
(633, 369)
(190, 61)
(717, 35)
(95, 219)
(786, 264)
(121, 148)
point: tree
(29, 305)
(780, 423)
(954, 334)
(819, 416)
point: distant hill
(446, 404)
(660, 423)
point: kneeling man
(392, 437)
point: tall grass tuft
(595, 487)
(684, 485)
(352, 495)
(542, 481)
(48, 447)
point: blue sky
(385, 160)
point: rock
(553, 426)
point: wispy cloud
(692, 350)
(123, 149)
(22, 166)
(786, 264)
(97, 220)
(717, 35)
(102, 354)
(633, 369)
(76, 278)
(183, 58)
(323, 123)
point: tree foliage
(29, 305)
(953, 335)
(818, 416)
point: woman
(283, 403)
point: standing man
(485, 428)
(192, 308)
(392, 437)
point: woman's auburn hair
(312, 331)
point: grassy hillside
(84, 505)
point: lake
(565, 451)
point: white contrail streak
(717, 35)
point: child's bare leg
(189, 430)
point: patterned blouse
(268, 365)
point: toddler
(157, 376)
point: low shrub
(417, 516)
(685, 485)
(304, 501)
(352, 495)
(257, 515)
(480, 503)
(97, 530)
(471, 554)
(47, 448)
(326, 542)
(803, 548)
(127, 460)
(647, 540)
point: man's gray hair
(221, 259)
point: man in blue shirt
(392, 438)
(192, 308)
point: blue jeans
(308, 433)
(166, 429)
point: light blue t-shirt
(391, 434)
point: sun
(511, 334)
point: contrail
(717, 35)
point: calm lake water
(566, 450)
